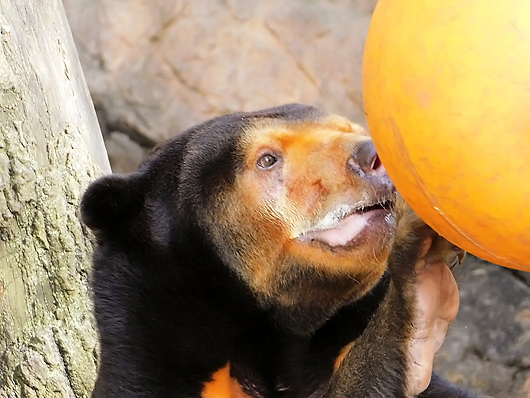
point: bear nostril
(364, 158)
(376, 163)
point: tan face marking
(294, 185)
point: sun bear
(266, 254)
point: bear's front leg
(394, 355)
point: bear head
(293, 202)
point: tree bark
(50, 148)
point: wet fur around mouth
(335, 224)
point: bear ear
(110, 202)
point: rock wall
(156, 67)
(488, 346)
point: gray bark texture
(50, 149)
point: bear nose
(364, 160)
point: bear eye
(266, 161)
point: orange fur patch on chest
(223, 385)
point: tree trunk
(50, 148)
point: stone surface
(156, 67)
(488, 346)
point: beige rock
(159, 67)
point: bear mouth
(346, 224)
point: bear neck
(301, 305)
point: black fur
(170, 312)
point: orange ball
(447, 94)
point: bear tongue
(344, 232)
